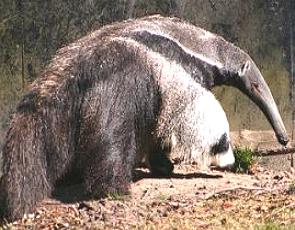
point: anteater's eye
(244, 68)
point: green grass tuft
(244, 159)
(291, 189)
(273, 226)
(117, 196)
(164, 197)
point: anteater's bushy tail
(25, 180)
(37, 151)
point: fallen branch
(274, 152)
(222, 191)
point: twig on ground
(222, 191)
(273, 152)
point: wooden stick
(292, 77)
(222, 191)
(274, 152)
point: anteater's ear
(244, 69)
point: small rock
(85, 206)
(223, 221)
(256, 184)
(278, 177)
(31, 216)
(174, 205)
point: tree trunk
(292, 75)
(130, 8)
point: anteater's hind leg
(110, 164)
(159, 162)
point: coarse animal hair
(81, 117)
(199, 131)
(100, 105)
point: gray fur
(100, 105)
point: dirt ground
(190, 199)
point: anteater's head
(249, 80)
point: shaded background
(32, 31)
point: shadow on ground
(71, 189)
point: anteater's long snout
(251, 82)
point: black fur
(160, 165)
(171, 50)
(98, 120)
(95, 110)
(222, 145)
